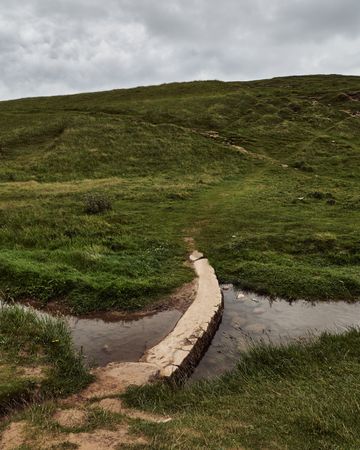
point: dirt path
(70, 424)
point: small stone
(240, 296)
(226, 287)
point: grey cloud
(79, 45)
(320, 20)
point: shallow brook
(106, 338)
(103, 341)
(249, 318)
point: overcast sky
(64, 46)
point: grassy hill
(98, 191)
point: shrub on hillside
(303, 166)
(96, 204)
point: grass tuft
(31, 342)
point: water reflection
(249, 318)
(103, 342)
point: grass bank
(97, 191)
(299, 397)
(37, 358)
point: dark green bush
(96, 204)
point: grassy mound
(299, 397)
(37, 358)
(97, 191)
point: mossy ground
(291, 231)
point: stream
(249, 318)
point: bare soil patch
(114, 405)
(71, 418)
(103, 439)
(116, 378)
(14, 436)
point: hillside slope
(264, 175)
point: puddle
(104, 340)
(250, 318)
(121, 341)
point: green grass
(148, 151)
(282, 219)
(29, 342)
(269, 241)
(296, 397)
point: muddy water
(103, 341)
(250, 318)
